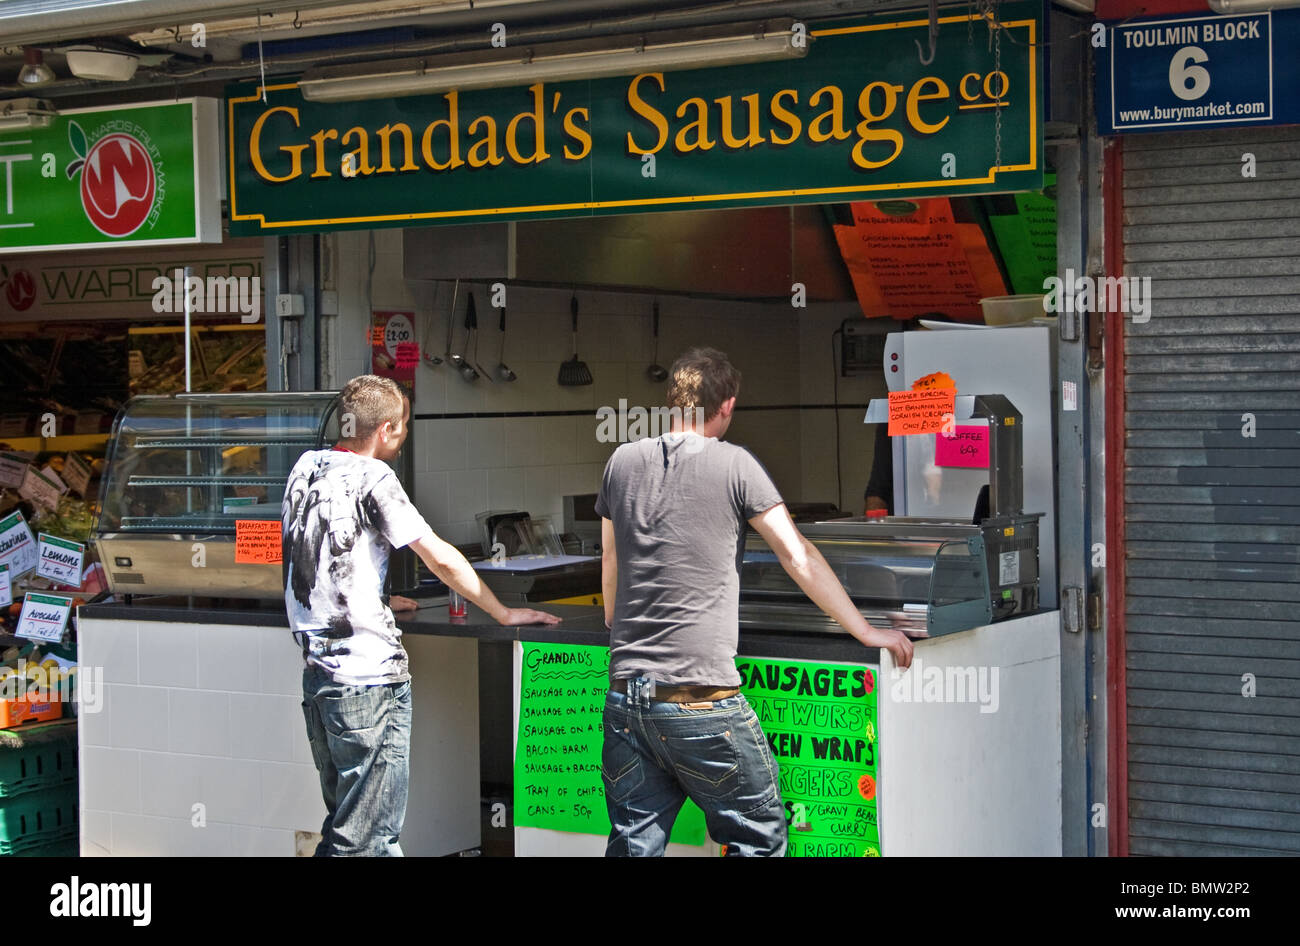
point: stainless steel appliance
(925, 576)
(183, 469)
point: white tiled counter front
(199, 746)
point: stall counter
(199, 747)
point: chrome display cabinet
(182, 469)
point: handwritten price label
(59, 559)
(17, 545)
(257, 542)
(967, 447)
(77, 472)
(557, 761)
(13, 467)
(6, 591)
(920, 412)
(44, 617)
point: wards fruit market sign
(134, 174)
(857, 118)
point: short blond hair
(701, 379)
(371, 401)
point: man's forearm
(456, 572)
(608, 586)
(820, 583)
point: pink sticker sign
(969, 446)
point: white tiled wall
(223, 728)
(192, 715)
(465, 466)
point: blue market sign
(1171, 73)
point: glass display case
(926, 578)
(183, 469)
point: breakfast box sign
(857, 117)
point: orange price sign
(938, 379)
(257, 542)
(920, 412)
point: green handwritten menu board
(562, 691)
(820, 720)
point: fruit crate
(36, 819)
(37, 756)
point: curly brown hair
(702, 378)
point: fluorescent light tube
(426, 77)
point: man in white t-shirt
(344, 512)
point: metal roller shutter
(1213, 516)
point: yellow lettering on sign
(385, 136)
(538, 119)
(835, 114)
(577, 133)
(702, 140)
(1008, 422)
(488, 144)
(363, 165)
(786, 117)
(916, 95)
(866, 133)
(646, 111)
(754, 137)
(1010, 530)
(255, 147)
(320, 138)
(452, 124)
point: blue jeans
(361, 743)
(656, 755)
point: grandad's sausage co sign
(859, 117)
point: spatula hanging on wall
(574, 373)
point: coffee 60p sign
(140, 174)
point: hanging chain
(997, 69)
(970, 25)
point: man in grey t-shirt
(673, 513)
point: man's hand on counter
(517, 616)
(399, 603)
(454, 571)
(896, 642)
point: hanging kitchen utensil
(467, 370)
(471, 322)
(573, 372)
(451, 315)
(656, 372)
(504, 373)
(426, 344)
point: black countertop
(580, 624)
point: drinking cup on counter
(456, 604)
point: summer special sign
(1194, 71)
(857, 118)
(143, 175)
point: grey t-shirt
(679, 504)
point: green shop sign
(144, 175)
(820, 720)
(857, 118)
